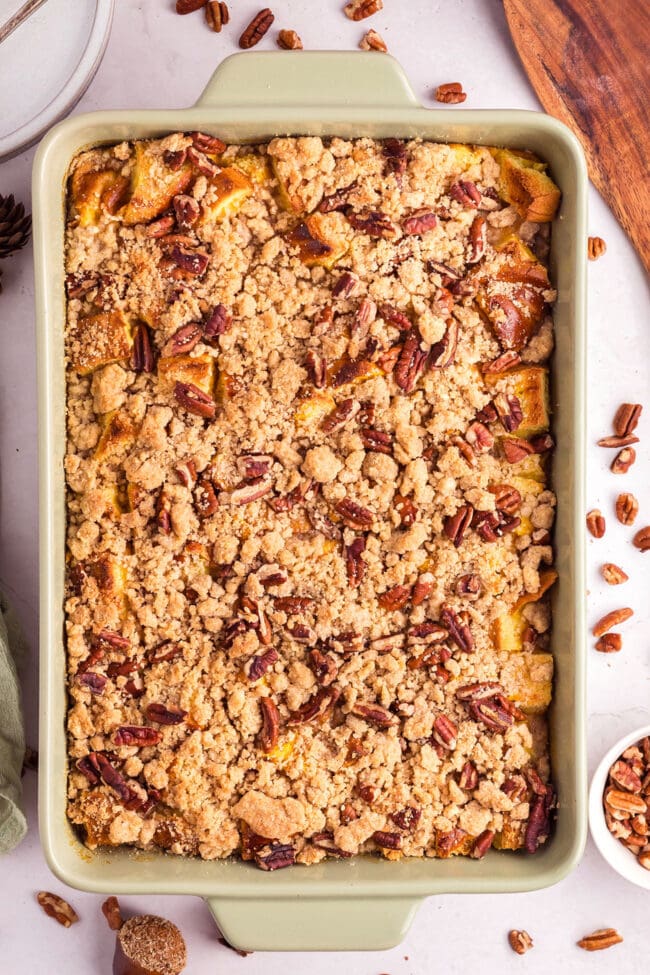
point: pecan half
(624, 775)
(376, 440)
(627, 418)
(596, 523)
(186, 209)
(445, 732)
(610, 620)
(293, 604)
(406, 510)
(375, 714)
(642, 539)
(520, 941)
(316, 366)
(374, 223)
(465, 193)
(257, 666)
(257, 28)
(627, 508)
(360, 9)
(183, 340)
(54, 906)
(455, 526)
(270, 730)
(423, 588)
(411, 362)
(164, 715)
(346, 286)
(503, 362)
(194, 400)
(137, 735)
(613, 574)
(479, 437)
(143, 359)
(450, 93)
(506, 498)
(538, 827)
(206, 502)
(208, 143)
(354, 515)
(318, 705)
(515, 450)
(419, 222)
(217, 15)
(193, 263)
(482, 844)
(252, 466)
(509, 411)
(599, 940)
(355, 565)
(468, 778)
(618, 441)
(188, 6)
(337, 200)
(393, 316)
(623, 460)
(114, 780)
(95, 683)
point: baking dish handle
(314, 924)
(309, 78)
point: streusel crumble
(309, 527)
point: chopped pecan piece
(183, 340)
(419, 222)
(395, 598)
(465, 193)
(325, 841)
(248, 493)
(406, 510)
(538, 827)
(376, 440)
(477, 241)
(372, 41)
(596, 247)
(217, 323)
(269, 733)
(388, 841)
(616, 442)
(340, 415)
(194, 400)
(142, 359)
(443, 353)
(289, 40)
(450, 93)
(423, 588)
(394, 151)
(360, 9)
(279, 855)
(374, 223)
(445, 732)
(623, 460)
(112, 913)
(482, 844)
(508, 360)
(354, 515)
(609, 643)
(95, 683)
(355, 565)
(114, 780)
(515, 450)
(337, 200)
(206, 502)
(252, 466)
(407, 818)
(375, 714)
(468, 778)
(346, 286)
(324, 666)
(318, 705)
(162, 714)
(601, 939)
(393, 316)
(54, 906)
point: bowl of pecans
(619, 803)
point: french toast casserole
(309, 520)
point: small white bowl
(618, 856)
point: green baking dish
(363, 903)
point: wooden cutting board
(589, 63)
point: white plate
(47, 64)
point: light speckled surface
(169, 60)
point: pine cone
(15, 227)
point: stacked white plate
(46, 64)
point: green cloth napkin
(13, 824)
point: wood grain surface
(589, 63)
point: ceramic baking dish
(364, 903)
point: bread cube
(321, 240)
(117, 436)
(198, 370)
(153, 184)
(97, 340)
(227, 192)
(527, 679)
